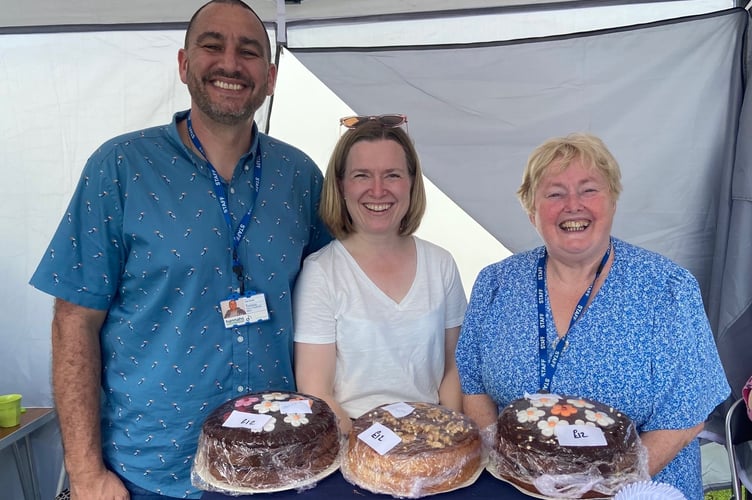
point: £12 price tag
(380, 438)
(579, 435)
(246, 420)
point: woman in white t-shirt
(377, 312)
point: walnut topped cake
(431, 449)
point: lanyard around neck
(547, 367)
(221, 192)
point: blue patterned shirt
(144, 238)
(644, 346)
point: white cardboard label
(300, 406)
(538, 396)
(380, 438)
(579, 435)
(399, 410)
(241, 419)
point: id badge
(250, 308)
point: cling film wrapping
(534, 448)
(436, 450)
(251, 444)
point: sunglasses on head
(387, 121)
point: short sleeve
(470, 344)
(688, 378)
(313, 307)
(456, 303)
(88, 240)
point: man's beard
(216, 111)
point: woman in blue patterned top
(588, 314)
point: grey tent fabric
(664, 97)
(731, 297)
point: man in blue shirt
(166, 226)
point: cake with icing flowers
(266, 442)
(558, 445)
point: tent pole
(281, 23)
(281, 36)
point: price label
(538, 396)
(580, 435)
(241, 419)
(380, 438)
(300, 406)
(399, 410)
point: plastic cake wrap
(411, 450)
(566, 447)
(266, 442)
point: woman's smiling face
(376, 186)
(574, 210)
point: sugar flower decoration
(296, 419)
(531, 414)
(599, 418)
(549, 425)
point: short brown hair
(333, 210)
(562, 150)
(239, 3)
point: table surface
(31, 420)
(486, 487)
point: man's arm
(76, 372)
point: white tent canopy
(661, 82)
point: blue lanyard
(221, 193)
(547, 368)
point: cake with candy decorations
(266, 442)
(557, 445)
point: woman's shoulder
(324, 255)
(637, 256)
(515, 267)
(431, 249)
(650, 265)
(516, 261)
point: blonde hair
(332, 209)
(563, 150)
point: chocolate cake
(250, 443)
(551, 444)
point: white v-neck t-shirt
(386, 351)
